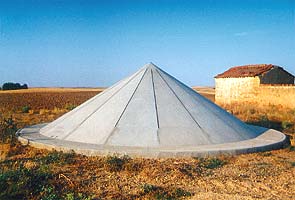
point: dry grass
(261, 175)
(207, 92)
(276, 117)
(70, 176)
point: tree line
(13, 86)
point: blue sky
(96, 43)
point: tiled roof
(246, 71)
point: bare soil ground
(54, 90)
(29, 173)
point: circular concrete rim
(269, 140)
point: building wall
(228, 90)
(276, 95)
(276, 76)
(239, 90)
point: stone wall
(249, 89)
(228, 90)
(276, 95)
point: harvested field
(208, 92)
(52, 90)
(48, 98)
(29, 173)
(39, 105)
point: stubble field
(29, 173)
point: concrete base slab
(269, 140)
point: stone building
(263, 84)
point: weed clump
(264, 121)
(58, 157)
(8, 129)
(211, 163)
(79, 196)
(288, 126)
(26, 109)
(48, 193)
(22, 182)
(178, 192)
(70, 107)
(115, 163)
(36, 182)
(265, 154)
(190, 170)
(147, 188)
(157, 192)
(202, 168)
(291, 148)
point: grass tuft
(58, 157)
(181, 193)
(211, 163)
(8, 128)
(23, 182)
(25, 109)
(148, 188)
(265, 154)
(70, 106)
(115, 163)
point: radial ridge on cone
(149, 109)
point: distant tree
(14, 86)
(8, 86)
(17, 86)
(25, 86)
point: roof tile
(246, 71)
